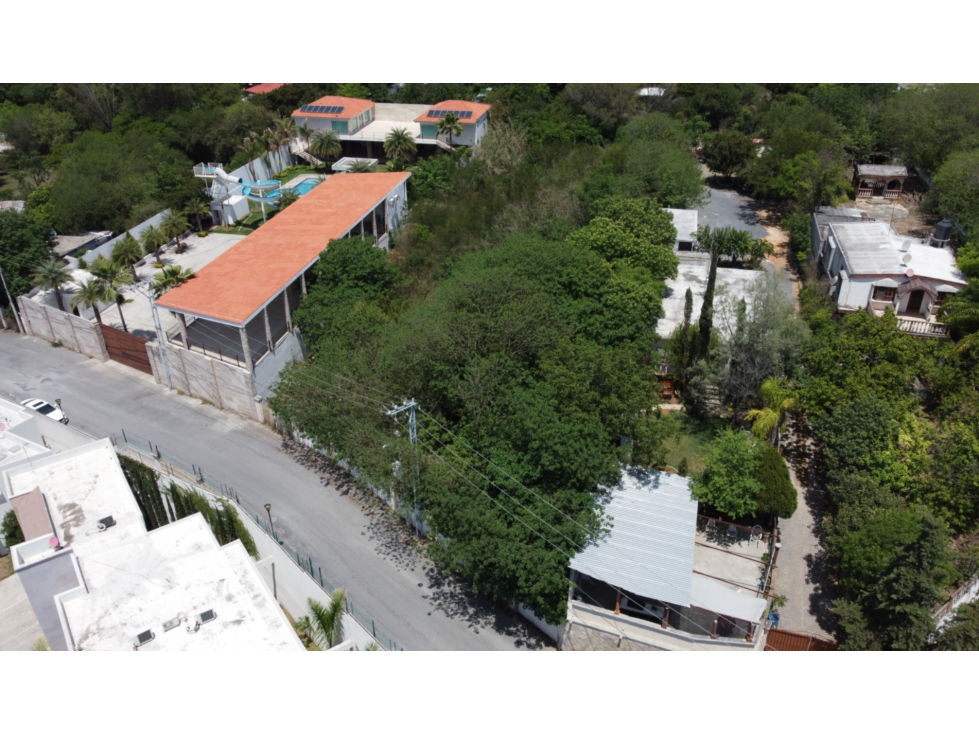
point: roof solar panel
(144, 637)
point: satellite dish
(910, 272)
(3, 426)
(907, 258)
(53, 542)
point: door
(126, 348)
(914, 302)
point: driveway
(364, 553)
(728, 208)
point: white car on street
(45, 408)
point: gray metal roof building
(874, 170)
(649, 550)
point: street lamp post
(268, 509)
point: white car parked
(45, 408)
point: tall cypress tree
(707, 311)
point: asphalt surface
(731, 209)
(312, 512)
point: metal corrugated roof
(649, 550)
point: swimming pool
(304, 187)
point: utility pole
(160, 337)
(410, 406)
(13, 306)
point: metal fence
(150, 454)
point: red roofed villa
(238, 310)
(360, 123)
(263, 88)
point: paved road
(363, 553)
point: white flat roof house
(685, 221)
(873, 267)
(661, 578)
(98, 580)
(693, 274)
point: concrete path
(804, 572)
(19, 629)
(364, 553)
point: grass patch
(693, 436)
(6, 567)
(287, 176)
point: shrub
(777, 495)
(10, 528)
(683, 468)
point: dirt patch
(6, 567)
(780, 258)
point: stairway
(443, 145)
(309, 157)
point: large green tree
(729, 482)
(24, 244)
(728, 153)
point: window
(939, 298)
(340, 126)
(884, 294)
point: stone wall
(55, 325)
(578, 637)
(224, 385)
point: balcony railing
(920, 327)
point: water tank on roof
(943, 231)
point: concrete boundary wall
(55, 325)
(219, 383)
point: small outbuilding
(879, 182)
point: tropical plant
(304, 133)
(728, 483)
(779, 398)
(127, 252)
(449, 126)
(40, 645)
(174, 224)
(90, 295)
(282, 131)
(287, 197)
(324, 624)
(52, 274)
(372, 647)
(252, 146)
(361, 166)
(325, 144)
(197, 209)
(962, 315)
(112, 275)
(171, 277)
(153, 240)
(399, 143)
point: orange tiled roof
(264, 88)
(242, 280)
(476, 108)
(351, 107)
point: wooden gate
(786, 641)
(128, 349)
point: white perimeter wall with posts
(291, 586)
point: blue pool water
(306, 186)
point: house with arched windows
(879, 182)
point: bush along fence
(186, 487)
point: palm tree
(127, 252)
(287, 197)
(170, 277)
(252, 147)
(284, 130)
(90, 295)
(304, 133)
(174, 224)
(361, 166)
(449, 125)
(54, 275)
(153, 239)
(779, 398)
(399, 143)
(112, 275)
(325, 144)
(325, 624)
(197, 209)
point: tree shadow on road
(396, 542)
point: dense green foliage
(729, 482)
(777, 495)
(222, 518)
(25, 242)
(11, 530)
(962, 633)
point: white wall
(292, 586)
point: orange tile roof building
(240, 305)
(343, 115)
(473, 116)
(263, 88)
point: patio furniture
(756, 533)
(732, 532)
